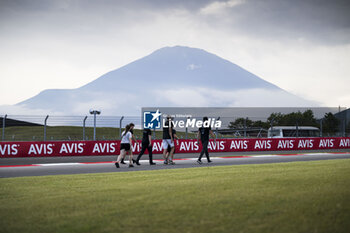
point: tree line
(330, 124)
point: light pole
(95, 112)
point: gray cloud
(320, 21)
(57, 4)
(79, 40)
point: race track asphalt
(43, 166)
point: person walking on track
(171, 160)
(146, 145)
(125, 146)
(131, 125)
(203, 135)
(168, 139)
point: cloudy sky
(302, 46)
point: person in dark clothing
(168, 139)
(146, 145)
(203, 134)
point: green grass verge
(290, 197)
(36, 133)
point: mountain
(169, 77)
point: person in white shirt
(125, 146)
(133, 138)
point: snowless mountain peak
(176, 76)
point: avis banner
(94, 148)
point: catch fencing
(105, 128)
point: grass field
(289, 197)
(36, 133)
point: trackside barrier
(94, 148)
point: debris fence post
(3, 127)
(84, 121)
(45, 123)
(120, 127)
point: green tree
(261, 124)
(275, 118)
(239, 123)
(330, 123)
(306, 118)
(309, 119)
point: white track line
(184, 159)
(263, 156)
(57, 164)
